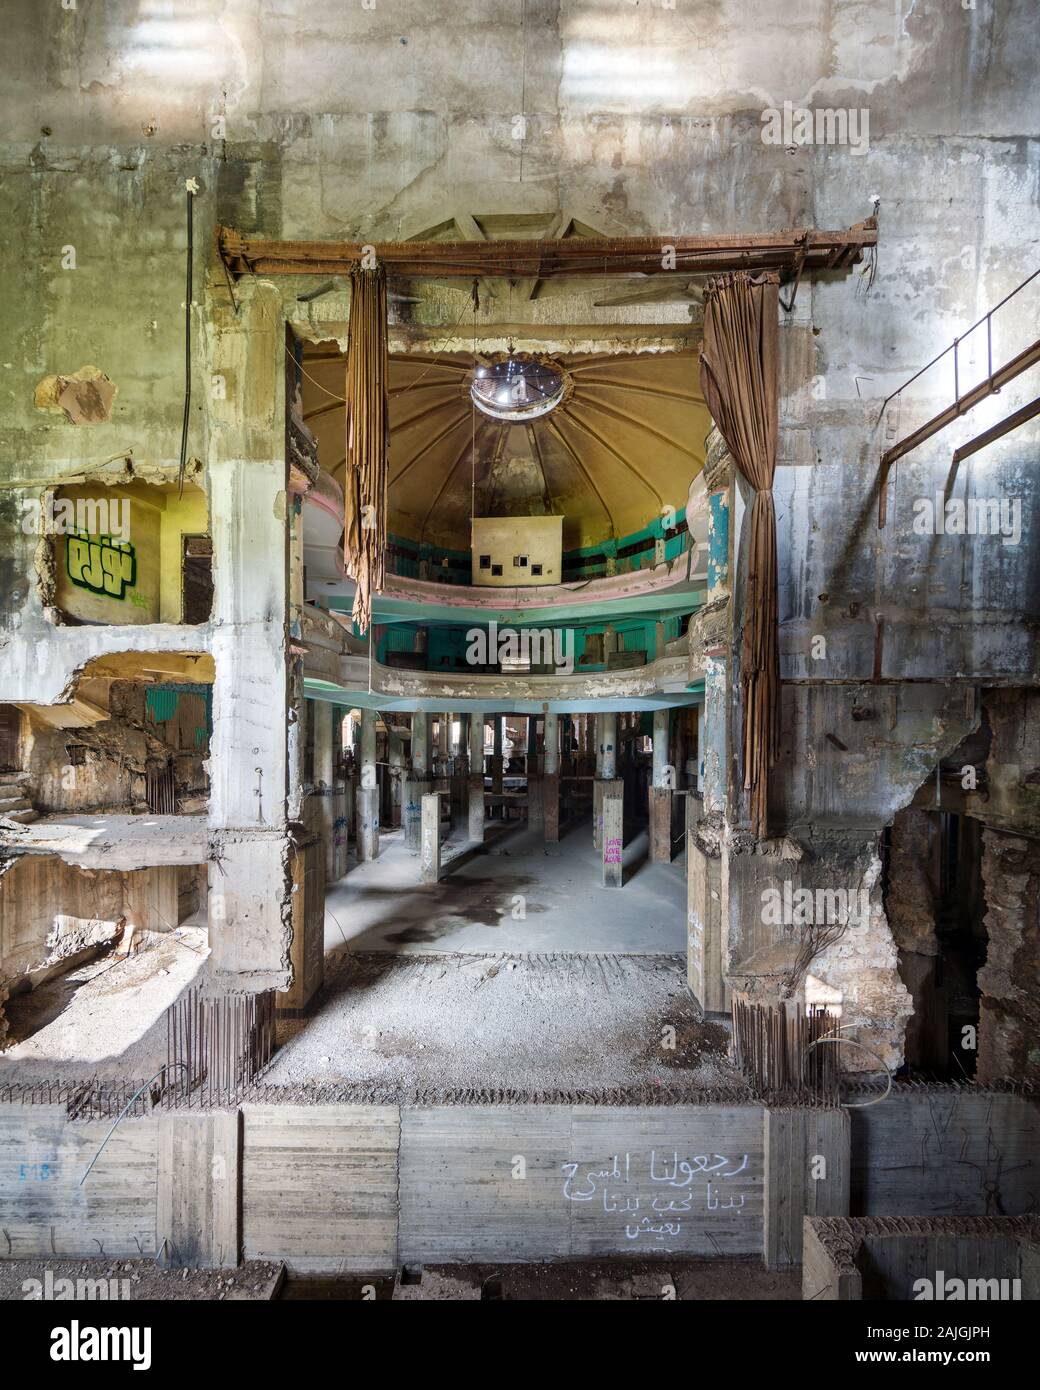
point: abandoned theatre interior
(520, 726)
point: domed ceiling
(622, 439)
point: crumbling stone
(1009, 1023)
(84, 398)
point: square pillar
(704, 921)
(395, 757)
(535, 803)
(807, 1173)
(430, 854)
(411, 812)
(252, 515)
(496, 757)
(660, 825)
(551, 807)
(367, 823)
(197, 1218)
(368, 792)
(307, 952)
(601, 789)
(613, 834)
(475, 812)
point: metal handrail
(987, 319)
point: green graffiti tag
(100, 564)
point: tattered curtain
(740, 382)
(368, 438)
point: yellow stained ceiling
(627, 442)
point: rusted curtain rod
(807, 248)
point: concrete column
(496, 757)
(251, 510)
(198, 1190)
(368, 792)
(551, 780)
(610, 643)
(324, 754)
(607, 728)
(430, 855)
(418, 782)
(476, 777)
(551, 744)
(661, 792)
(662, 721)
(613, 834)
(535, 811)
(459, 777)
(395, 757)
(700, 750)
(704, 923)
(535, 802)
(421, 744)
(462, 750)
(296, 742)
(606, 767)
(328, 801)
(796, 1184)
(659, 640)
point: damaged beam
(1009, 423)
(804, 248)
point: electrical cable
(191, 188)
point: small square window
(496, 570)
(485, 562)
(520, 562)
(536, 569)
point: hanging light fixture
(518, 386)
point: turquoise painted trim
(447, 642)
(362, 699)
(648, 606)
(718, 539)
(655, 531)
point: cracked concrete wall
(1009, 1019)
(1011, 797)
(859, 961)
(114, 756)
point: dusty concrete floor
(525, 1026)
(381, 906)
(516, 977)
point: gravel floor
(522, 1025)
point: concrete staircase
(13, 803)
